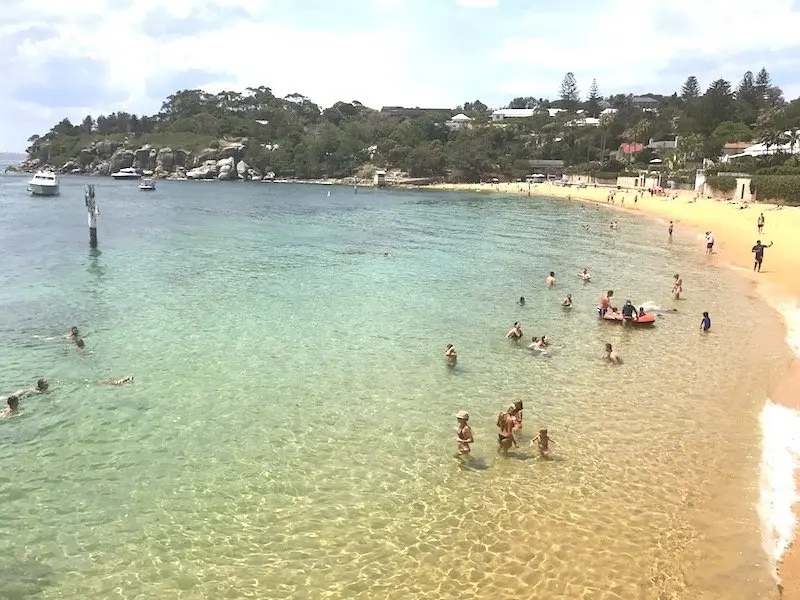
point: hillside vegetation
(293, 137)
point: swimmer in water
(567, 301)
(585, 275)
(545, 341)
(536, 344)
(515, 333)
(521, 301)
(611, 355)
(551, 279)
(12, 405)
(450, 355)
(79, 343)
(543, 441)
(73, 333)
(119, 381)
(41, 386)
(463, 434)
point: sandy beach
(735, 230)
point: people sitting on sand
(73, 333)
(677, 288)
(12, 405)
(585, 275)
(515, 333)
(611, 355)
(551, 279)
(705, 324)
(521, 301)
(605, 302)
(450, 355)
(567, 301)
(463, 434)
(543, 440)
(506, 424)
(120, 381)
(629, 312)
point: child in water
(543, 440)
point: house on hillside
(402, 111)
(732, 148)
(663, 144)
(646, 103)
(502, 114)
(460, 121)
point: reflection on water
(290, 432)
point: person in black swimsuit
(758, 250)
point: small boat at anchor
(126, 173)
(44, 183)
(147, 185)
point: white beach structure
(762, 149)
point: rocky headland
(104, 157)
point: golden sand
(734, 226)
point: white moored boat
(127, 173)
(148, 185)
(44, 183)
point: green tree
(733, 132)
(715, 106)
(690, 89)
(747, 91)
(569, 94)
(88, 124)
(520, 102)
(593, 107)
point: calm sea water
(290, 432)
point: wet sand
(735, 231)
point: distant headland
(257, 135)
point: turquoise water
(290, 431)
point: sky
(69, 59)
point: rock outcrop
(226, 168)
(208, 170)
(121, 159)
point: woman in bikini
(506, 422)
(464, 434)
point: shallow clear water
(290, 432)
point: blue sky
(96, 56)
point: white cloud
(479, 3)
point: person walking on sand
(463, 434)
(709, 243)
(677, 288)
(705, 324)
(671, 227)
(551, 279)
(758, 250)
(760, 223)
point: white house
(554, 111)
(460, 121)
(512, 113)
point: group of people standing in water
(43, 386)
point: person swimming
(521, 301)
(585, 275)
(611, 355)
(543, 440)
(80, 344)
(119, 381)
(463, 434)
(567, 301)
(450, 355)
(515, 333)
(73, 333)
(551, 279)
(536, 344)
(12, 405)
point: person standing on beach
(670, 229)
(705, 324)
(760, 223)
(463, 434)
(709, 243)
(758, 250)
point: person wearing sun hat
(463, 433)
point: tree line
(294, 137)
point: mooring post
(94, 211)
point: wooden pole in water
(94, 211)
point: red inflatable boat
(645, 321)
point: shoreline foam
(779, 286)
